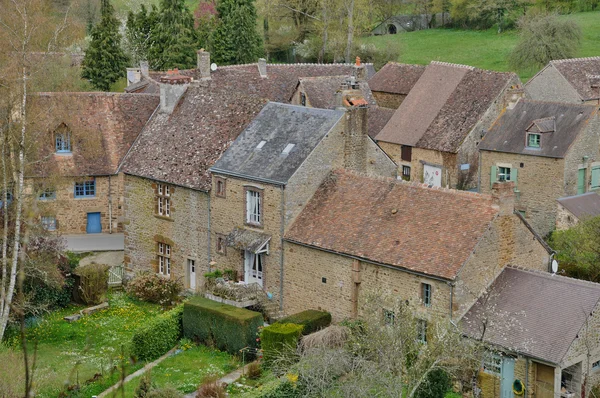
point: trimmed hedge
(312, 320)
(228, 327)
(157, 337)
(279, 339)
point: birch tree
(25, 42)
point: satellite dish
(213, 67)
(554, 266)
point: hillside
(484, 49)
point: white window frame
(164, 259)
(164, 200)
(596, 365)
(62, 142)
(47, 194)
(49, 223)
(504, 174)
(253, 207)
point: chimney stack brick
(262, 67)
(503, 194)
(203, 64)
(172, 86)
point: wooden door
(544, 381)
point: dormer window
(62, 140)
(533, 140)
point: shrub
(280, 340)
(155, 289)
(93, 283)
(435, 385)
(230, 328)
(165, 392)
(254, 370)
(154, 339)
(211, 388)
(312, 320)
(144, 388)
(282, 389)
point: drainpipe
(451, 297)
(110, 221)
(208, 231)
(526, 376)
(281, 232)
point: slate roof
(580, 72)
(103, 126)
(396, 78)
(508, 133)
(534, 313)
(394, 223)
(444, 106)
(279, 125)
(181, 147)
(582, 206)
(321, 90)
(144, 86)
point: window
(220, 187)
(596, 365)
(164, 200)
(47, 194)
(492, 363)
(503, 174)
(221, 244)
(422, 330)
(62, 141)
(406, 173)
(85, 189)
(9, 198)
(302, 99)
(533, 140)
(164, 259)
(253, 207)
(49, 223)
(426, 294)
(406, 153)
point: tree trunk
(325, 33)
(350, 31)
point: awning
(245, 239)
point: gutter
(281, 231)
(246, 177)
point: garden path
(227, 379)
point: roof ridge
(558, 61)
(295, 64)
(453, 65)
(571, 104)
(91, 93)
(549, 275)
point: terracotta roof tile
(396, 78)
(395, 223)
(321, 90)
(103, 127)
(542, 321)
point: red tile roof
(103, 127)
(396, 78)
(426, 230)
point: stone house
(549, 150)
(574, 80)
(433, 135)
(266, 177)
(392, 83)
(409, 23)
(546, 336)
(573, 209)
(201, 114)
(83, 137)
(437, 248)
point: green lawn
(483, 49)
(186, 370)
(71, 353)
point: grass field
(484, 49)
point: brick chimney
(359, 71)
(144, 69)
(172, 86)
(262, 67)
(203, 64)
(513, 95)
(503, 194)
(356, 133)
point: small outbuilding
(573, 209)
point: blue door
(93, 223)
(508, 378)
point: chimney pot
(262, 67)
(203, 64)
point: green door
(581, 181)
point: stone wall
(583, 153)
(540, 182)
(564, 218)
(388, 100)
(550, 85)
(316, 279)
(524, 371)
(228, 213)
(71, 213)
(186, 230)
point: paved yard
(95, 242)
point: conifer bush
(279, 340)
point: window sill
(163, 217)
(63, 153)
(85, 197)
(253, 225)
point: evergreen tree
(138, 32)
(236, 39)
(105, 62)
(173, 41)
